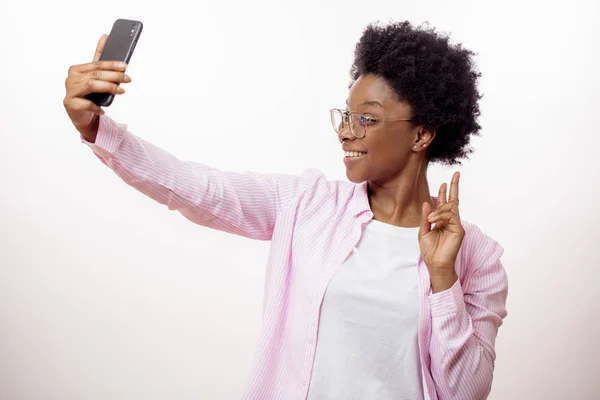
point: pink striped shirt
(313, 225)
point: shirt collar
(360, 200)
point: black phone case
(119, 47)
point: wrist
(442, 280)
(89, 132)
(442, 271)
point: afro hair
(437, 79)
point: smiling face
(384, 151)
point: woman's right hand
(94, 77)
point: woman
(374, 289)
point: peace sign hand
(439, 246)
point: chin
(355, 177)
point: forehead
(372, 89)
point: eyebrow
(368, 103)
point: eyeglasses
(358, 122)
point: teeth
(354, 154)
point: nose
(345, 135)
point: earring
(425, 144)
(415, 146)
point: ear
(424, 137)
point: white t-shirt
(367, 345)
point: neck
(399, 201)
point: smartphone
(119, 47)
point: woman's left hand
(440, 245)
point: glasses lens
(340, 121)
(357, 126)
(337, 120)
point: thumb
(425, 224)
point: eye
(366, 119)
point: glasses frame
(347, 118)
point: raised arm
(465, 322)
(245, 204)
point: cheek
(387, 154)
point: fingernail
(127, 78)
(120, 90)
(431, 216)
(122, 65)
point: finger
(98, 65)
(448, 207)
(100, 47)
(454, 187)
(81, 105)
(448, 216)
(95, 86)
(425, 224)
(442, 195)
(107, 76)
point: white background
(105, 294)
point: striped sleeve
(244, 204)
(465, 323)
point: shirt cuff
(448, 302)
(108, 138)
